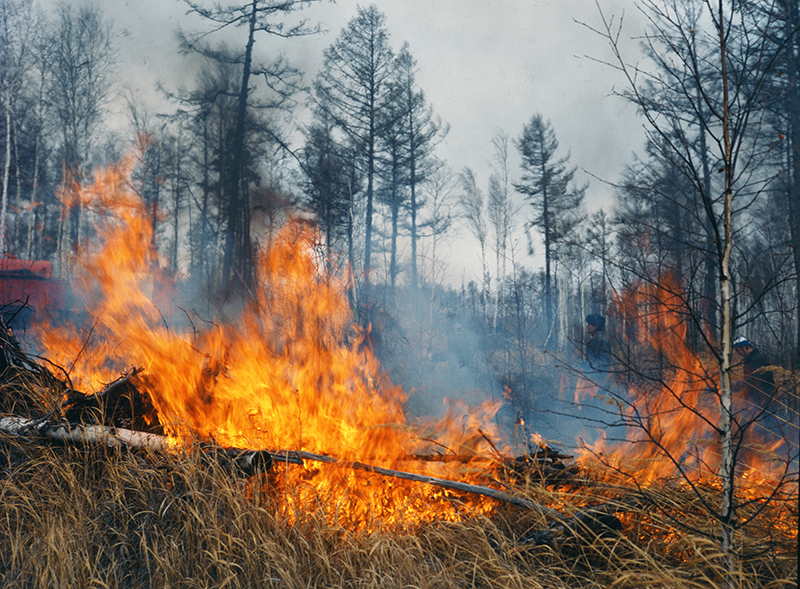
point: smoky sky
(484, 66)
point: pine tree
(547, 184)
(354, 87)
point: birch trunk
(6, 169)
(728, 467)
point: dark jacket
(758, 383)
(598, 352)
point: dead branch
(443, 483)
(85, 434)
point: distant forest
(706, 217)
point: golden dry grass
(101, 517)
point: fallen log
(243, 462)
(597, 520)
(121, 404)
(443, 483)
(87, 434)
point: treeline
(221, 169)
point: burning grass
(109, 517)
(291, 373)
(92, 515)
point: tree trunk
(393, 255)
(370, 187)
(727, 469)
(6, 170)
(30, 249)
(709, 284)
(412, 162)
(177, 205)
(548, 254)
(237, 256)
(793, 46)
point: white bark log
(91, 434)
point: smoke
(434, 351)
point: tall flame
(288, 373)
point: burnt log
(546, 465)
(593, 522)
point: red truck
(29, 292)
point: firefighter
(598, 350)
(757, 386)
(754, 395)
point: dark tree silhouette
(547, 184)
(256, 17)
(353, 86)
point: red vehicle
(29, 292)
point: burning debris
(122, 414)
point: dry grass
(100, 517)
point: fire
(668, 395)
(289, 372)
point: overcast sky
(484, 66)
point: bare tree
(708, 81)
(81, 68)
(20, 40)
(440, 196)
(256, 17)
(473, 205)
(501, 212)
(785, 39)
(392, 159)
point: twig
(485, 437)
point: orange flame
(288, 373)
(669, 397)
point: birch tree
(473, 206)
(82, 59)
(20, 40)
(711, 66)
(501, 212)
